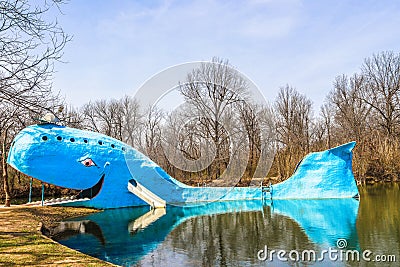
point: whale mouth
(93, 191)
(82, 196)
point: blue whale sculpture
(111, 174)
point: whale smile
(83, 195)
(93, 191)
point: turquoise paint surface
(58, 155)
(323, 221)
(326, 174)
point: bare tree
(212, 90)
(133, 120)
(12, 120)
(351, 111)
(105, 117)
(182, 141)
(9, 112)
(320, 134)
(121, 119)
(153, 132)
(29, 47)
(327, 115)
(4, 167)
(293, 121)
(91, 121)
(382, 91)
(293, 117)
(249, 114)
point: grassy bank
(21, 242)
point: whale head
(63, 156)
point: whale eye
(88, 162)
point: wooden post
(4, 167)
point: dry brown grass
(22, 244)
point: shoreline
(364, 181)
(22, 241)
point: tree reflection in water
(219, 233)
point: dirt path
(21, 242)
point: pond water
(248, 233)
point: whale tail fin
(326, 174)
(343, 149)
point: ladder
(265, 189)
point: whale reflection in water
(65, 230)
(324, 221)
(246, 226)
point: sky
(118, 45)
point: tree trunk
(4, 167)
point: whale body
(111, 174)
